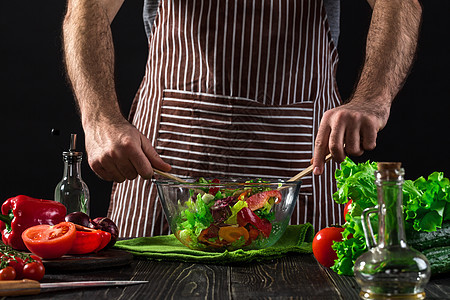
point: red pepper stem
(7, 219)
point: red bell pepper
(22, 212)
(246, 215)
(89, 240)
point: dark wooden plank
(346, 285)
(172, 280)
(167, 280)
(291, 277)
(438, 288)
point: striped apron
(234, 88)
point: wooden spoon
(170, 176)
(307, 171)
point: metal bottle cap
(72, 154)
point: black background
(36, 98)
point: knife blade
(32, 287)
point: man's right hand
(118, 151)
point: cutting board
(103, 259)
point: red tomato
(17, 263)
(49, 241)
(346, 208)
(322, 243)
(7, 273)
(35, 257)
(34, 271)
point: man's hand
(119, 151)
(391, 44)
(116, 149)
(349, 129)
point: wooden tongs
(299, 176)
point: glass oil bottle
(390, 269)
(72, 191)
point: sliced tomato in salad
(257, 201)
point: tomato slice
(257, 201)
(49, 241)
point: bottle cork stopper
(389, 170)
(382, 166)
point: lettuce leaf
(426, 205)
(195, 216)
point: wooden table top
(291, 277)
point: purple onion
(107, 225)
(79, 218)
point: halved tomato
(49, 241)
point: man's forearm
(390, 50)
(89, 58)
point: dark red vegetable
(221, 211)
(79, 218)
(21, 261)
(107, 225)
(347, 207)
(213, 190)
(34, 270)
(17, 263)
(322, 242)
(88, 241)
(7, 273)
(22, 212)
(246, 215)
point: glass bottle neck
(391, 226)
(72, 168)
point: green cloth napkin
(296, 239)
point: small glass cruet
(72, 191)
(390, 269)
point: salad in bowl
(228, 214)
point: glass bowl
(228, 214)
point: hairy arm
(116, 149)
(390, 50)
